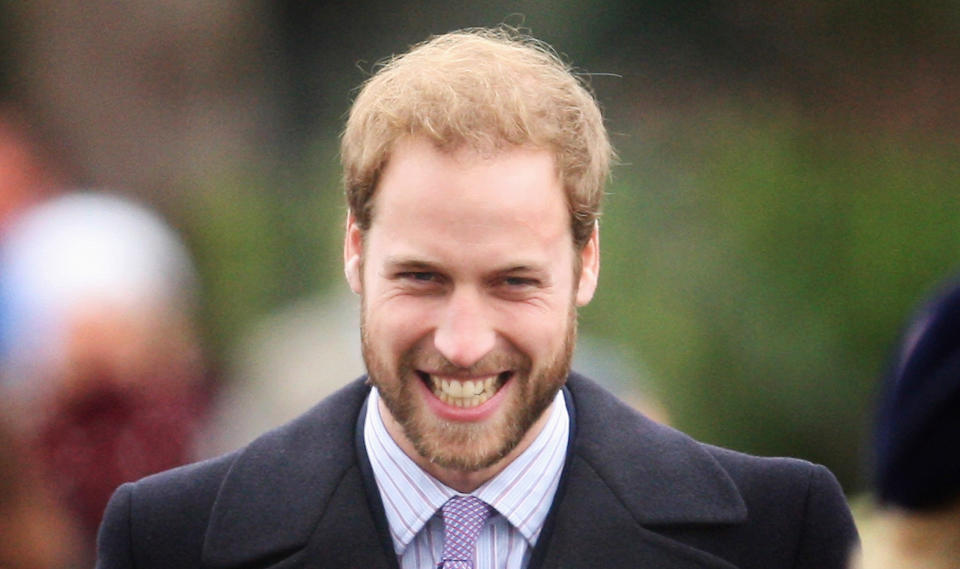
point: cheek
(536, 333)
(397, 323)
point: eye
(421, 281)
(418, 276)
(518, 287)
(519, 282)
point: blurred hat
(917, 441)
(79, 250)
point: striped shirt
(521, 495)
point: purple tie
(463, 516)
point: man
(474, 166)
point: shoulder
(326, 426)
(777, 478)
(795, 503)
(748, 509)
(170, 511)
(607, 424)
(173, 512)
(773, 486)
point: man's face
(469, 298)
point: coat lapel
(627, 477)
(295, 497)
(595, 529)
(346, 535)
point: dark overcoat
(634, 494)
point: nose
(464, 333)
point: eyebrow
(417, 263)
(408, 262)
(520, 269)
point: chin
(463, 447)
(472, 446)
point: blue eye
(419, 276)
(519, 281)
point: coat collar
(661, 475)
(296, 491)
(628, 478)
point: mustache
(493, 363)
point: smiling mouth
(465, 393)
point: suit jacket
(633, 494)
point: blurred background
(787, 192)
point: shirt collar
(522, 492)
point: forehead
(470, 204)
(421, 178)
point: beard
(467, 446)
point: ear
(590, 267)
(352, 253)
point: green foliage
(263, 238)
(762, 269)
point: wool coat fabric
(633, 493)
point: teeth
(469, 393)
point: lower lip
(465, 414)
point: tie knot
(463, 517)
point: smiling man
(469, 292)
(474, 167)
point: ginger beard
(467, 446)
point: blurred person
(98, 356)
(474, 166)
(916, 466)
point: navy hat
(917, 441)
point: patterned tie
(463, 516)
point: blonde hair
(487, 89)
